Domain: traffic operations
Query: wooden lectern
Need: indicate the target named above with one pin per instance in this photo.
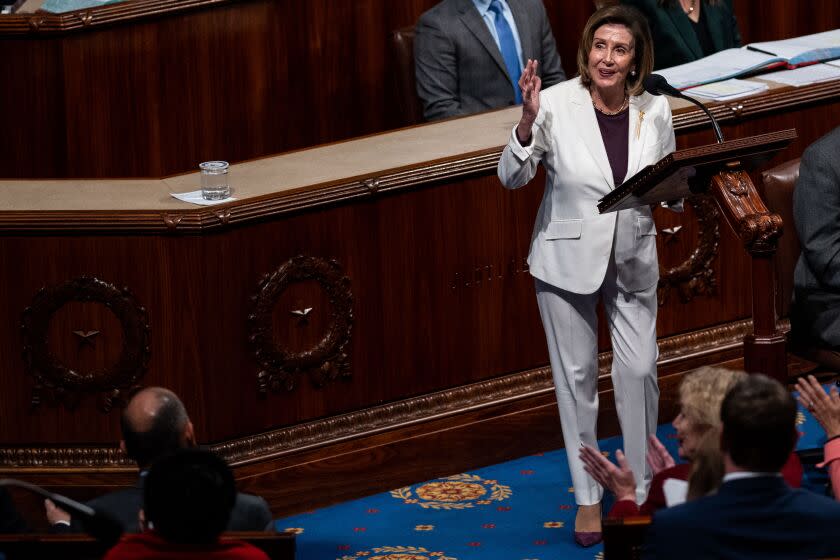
(722, 169)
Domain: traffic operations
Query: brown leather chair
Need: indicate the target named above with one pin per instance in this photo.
(408, 104)
(777, 190)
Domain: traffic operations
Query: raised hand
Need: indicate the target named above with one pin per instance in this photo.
(657, 456)
(618, 479)
(530, 84)
(824, 406)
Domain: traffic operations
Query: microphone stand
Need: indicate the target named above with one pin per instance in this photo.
(718, 133)
(655, 84)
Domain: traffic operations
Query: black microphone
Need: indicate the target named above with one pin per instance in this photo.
(97, 524)
(657, 85)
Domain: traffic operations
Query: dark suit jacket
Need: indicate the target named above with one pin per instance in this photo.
(250, 513)
(10, 519)
(674, 39)
(815, 314)
(459, 67)
(748, 518)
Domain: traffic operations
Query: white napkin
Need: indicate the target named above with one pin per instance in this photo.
(195, 197)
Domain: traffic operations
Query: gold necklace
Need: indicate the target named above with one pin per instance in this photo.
(610, 113)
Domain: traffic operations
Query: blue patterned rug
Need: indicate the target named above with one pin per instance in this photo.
(519, 510)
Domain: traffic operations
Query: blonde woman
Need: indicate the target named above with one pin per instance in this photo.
(701, 394)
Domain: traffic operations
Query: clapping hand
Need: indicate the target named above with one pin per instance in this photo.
(530, 84)
(618, 479)
(824, 406)
(657, 456)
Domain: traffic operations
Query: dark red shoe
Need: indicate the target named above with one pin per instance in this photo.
(587, 539)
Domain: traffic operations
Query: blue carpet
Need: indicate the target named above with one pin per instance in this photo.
(519, 510)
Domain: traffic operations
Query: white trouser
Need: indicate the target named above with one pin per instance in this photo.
(571, 329)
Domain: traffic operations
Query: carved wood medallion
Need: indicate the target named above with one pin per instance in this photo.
(694, 276)
(67, 383)
(325, 359)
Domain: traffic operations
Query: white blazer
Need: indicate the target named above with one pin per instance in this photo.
(571, 243)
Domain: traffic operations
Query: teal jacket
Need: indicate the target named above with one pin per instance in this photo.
(674, 40)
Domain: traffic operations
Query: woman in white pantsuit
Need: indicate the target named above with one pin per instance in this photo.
(590, 134)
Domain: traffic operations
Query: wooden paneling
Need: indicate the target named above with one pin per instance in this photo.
(441, 296)
(123, 95)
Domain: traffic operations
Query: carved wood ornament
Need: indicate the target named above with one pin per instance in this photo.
(326, 360)
(695, 276)
(318, 433)
(59, 382)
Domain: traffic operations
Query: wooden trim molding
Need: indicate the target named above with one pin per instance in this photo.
(363, 423)
(45, 23)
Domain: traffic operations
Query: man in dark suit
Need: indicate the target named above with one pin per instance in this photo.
(155, 423)
(754, 514)
(10, 519)
(465, 52)
(815, 316)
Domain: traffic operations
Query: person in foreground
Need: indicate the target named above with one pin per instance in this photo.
(10, 519)
(698, 426)
(590, 134)
(187, 501)
(688, 30)
(155, 423)
(754, 514)
(468, 54)
(826, 409)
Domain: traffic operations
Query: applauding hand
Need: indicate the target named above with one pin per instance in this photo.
(824, 407)
(657, 456)
(618, 479)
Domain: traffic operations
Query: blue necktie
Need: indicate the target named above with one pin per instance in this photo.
(508, 47)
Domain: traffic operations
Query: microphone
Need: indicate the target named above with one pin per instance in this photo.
(657, 85)
(97, 524)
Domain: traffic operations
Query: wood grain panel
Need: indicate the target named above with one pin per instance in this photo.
(156, 89)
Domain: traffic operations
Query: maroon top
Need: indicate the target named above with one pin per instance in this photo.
(149, 546)
(614, 132)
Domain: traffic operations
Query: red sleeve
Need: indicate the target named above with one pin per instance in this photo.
(792, 471)
(656, 494)
(623, 508)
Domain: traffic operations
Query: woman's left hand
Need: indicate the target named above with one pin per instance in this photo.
(618, 479)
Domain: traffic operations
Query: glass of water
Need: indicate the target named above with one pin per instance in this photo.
(214, 180)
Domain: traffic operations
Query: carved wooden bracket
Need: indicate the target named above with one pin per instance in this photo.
(60, 382)
(325, 361)
(756, 226)
(695, 276)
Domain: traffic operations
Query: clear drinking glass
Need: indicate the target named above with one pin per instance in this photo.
(214, 180)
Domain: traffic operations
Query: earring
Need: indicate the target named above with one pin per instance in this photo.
(633, 73)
